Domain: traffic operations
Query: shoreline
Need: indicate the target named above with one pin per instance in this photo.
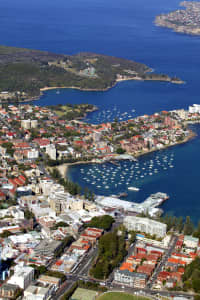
(187, 139)
(64, 168)
(73, 88)
(177, 28)
(137, 78)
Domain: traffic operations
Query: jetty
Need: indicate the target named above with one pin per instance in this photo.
(148, 206)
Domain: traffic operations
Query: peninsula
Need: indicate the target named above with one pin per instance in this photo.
(182, 20)
(26, 73)
(55, 236)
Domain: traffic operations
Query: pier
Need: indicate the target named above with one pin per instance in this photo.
(150, 205)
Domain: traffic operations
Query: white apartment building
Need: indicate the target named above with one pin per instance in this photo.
(195, 108)
(145, 225)
(22, 276)
(32, 154)
(27, 124)
(190, 241)
(34, 123)
(49, 187)
(51, 151)
(132, 279)
(60, 201)
(183, 114)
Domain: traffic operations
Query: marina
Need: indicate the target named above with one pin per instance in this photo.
(128, 175)
(110, 115)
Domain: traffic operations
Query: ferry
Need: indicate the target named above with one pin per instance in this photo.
(133, 188)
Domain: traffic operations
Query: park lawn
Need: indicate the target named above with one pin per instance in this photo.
(64, 110)
(120, 296)
(84, 294)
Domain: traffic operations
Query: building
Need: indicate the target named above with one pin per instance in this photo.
(47, 248)
(8, 291)
(37, 293)
(145, 225)
(195, 108)
(48, 187)
(26, 124)
(32, 154)
(190, 241)
(22, 276)
(132, 279)
(60, 201)
(183, 114)
(34, 123)
(49, 280)
(51, 151)
(96, 135)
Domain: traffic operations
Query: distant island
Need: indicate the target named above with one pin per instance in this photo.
(182, 20)
(26, 73)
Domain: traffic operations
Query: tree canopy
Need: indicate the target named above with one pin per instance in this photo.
(103, 222)
(111, 252)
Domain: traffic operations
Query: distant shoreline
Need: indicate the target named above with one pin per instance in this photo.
(188, 138)
(177, 28)
(137, 78)
(176, 20)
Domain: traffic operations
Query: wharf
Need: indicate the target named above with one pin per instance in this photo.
(150, 205)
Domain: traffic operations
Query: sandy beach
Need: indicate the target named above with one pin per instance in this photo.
(137, 78)
(64, 167)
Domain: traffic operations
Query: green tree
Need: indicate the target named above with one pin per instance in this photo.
(120, 151)
(132, 236)
(28, 214)
(197, 231)
(196, 285)
(111, 252)
(103, 222)
(179, 225)
(188, 227)
(5, 234)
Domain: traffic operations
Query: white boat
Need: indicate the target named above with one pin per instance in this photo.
(133, 188)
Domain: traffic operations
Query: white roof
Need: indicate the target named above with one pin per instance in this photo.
(190, 238)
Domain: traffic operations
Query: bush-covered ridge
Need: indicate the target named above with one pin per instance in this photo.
(27, 71)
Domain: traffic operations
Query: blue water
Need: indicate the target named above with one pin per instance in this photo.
(181, 181)
(125, 29)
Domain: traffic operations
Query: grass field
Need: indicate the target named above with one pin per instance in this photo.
(84, 294)
(120, 296)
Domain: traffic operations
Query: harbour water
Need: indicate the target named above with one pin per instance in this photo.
(125, 29)
(174, 171)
